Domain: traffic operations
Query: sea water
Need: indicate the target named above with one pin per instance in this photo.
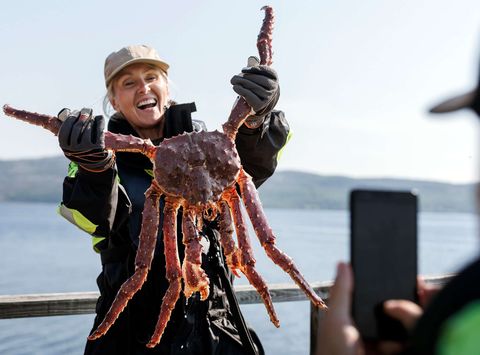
(42, 253)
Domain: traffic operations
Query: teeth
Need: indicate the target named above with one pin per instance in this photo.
(145, 102)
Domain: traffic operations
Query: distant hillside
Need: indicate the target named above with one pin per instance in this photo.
(40, 180)
(290, 189)
(36, 180)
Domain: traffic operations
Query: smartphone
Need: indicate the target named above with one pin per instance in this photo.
(383, 246)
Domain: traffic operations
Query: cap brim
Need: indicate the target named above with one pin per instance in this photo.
(455, 103)
(158, 63)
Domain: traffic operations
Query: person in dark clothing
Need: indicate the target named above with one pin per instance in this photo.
(450, 322)
(103, 194)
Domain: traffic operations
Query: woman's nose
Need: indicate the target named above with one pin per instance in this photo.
(144, 86)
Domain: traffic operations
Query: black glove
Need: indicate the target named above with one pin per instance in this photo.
(258, 85)
(82, 139)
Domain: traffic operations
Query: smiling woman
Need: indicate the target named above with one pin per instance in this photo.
(140, 94)
(135, 222)
(137, 87)
(105, 194)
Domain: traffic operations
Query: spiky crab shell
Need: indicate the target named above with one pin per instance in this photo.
(197, 167)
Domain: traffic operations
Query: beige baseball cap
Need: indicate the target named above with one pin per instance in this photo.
(116, 61)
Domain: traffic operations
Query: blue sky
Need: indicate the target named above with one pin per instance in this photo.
(356, 77)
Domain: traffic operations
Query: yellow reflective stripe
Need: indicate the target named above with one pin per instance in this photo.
(289, 136)
(72, 169)
(77, 218)
(95, 241)
(149, 172)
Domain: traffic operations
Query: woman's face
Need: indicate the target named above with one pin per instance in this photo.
(140, 93)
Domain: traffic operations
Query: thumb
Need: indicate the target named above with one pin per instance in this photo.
(253, 61)
(63, 114)
(341, 292)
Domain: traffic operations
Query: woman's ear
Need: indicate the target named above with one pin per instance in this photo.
(113, 102)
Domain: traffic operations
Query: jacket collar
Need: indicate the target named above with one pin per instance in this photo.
(177, 121)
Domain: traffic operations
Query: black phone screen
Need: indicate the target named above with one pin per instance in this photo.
(383, 257)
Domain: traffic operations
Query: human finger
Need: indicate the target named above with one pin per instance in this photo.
(390, 347)
(64, 135)
(261, 86)
(426, 291)
(63, 114)
(97, 131)
(262, 70)
(82, 123)
(406, 312)
(340, 294)
(252, 99)
(261, 80)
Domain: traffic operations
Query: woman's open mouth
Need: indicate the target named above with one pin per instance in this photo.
(147, 103)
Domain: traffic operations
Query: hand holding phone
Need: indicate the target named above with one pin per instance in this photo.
(383, 257)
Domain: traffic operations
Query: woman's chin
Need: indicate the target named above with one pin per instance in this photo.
(149, 116)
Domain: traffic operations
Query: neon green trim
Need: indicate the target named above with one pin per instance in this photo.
(77, 218)
(280, 152)
(95, 241)
(460, 333)
(149, 172)
(83, 222)
(72, 169)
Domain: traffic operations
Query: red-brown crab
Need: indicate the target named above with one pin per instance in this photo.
(200, 172)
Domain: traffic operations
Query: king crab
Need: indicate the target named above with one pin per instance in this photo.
(199, 172)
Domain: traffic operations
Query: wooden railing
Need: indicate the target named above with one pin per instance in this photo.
(73, 303)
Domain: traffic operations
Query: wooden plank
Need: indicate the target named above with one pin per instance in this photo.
(52, 304)
(57, 304)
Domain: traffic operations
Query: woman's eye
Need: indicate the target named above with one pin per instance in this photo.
(128, 83)
(151, 78)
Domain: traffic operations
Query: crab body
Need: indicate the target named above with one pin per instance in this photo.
(197, 167)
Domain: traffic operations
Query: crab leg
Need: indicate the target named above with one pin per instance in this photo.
(194, 276)
(124, 143)
(113, 141)
(173, 269)
(143, 261)
(241, 109)
(264, 40)
(50, 123)
(247, 259)
(267, 239)
(226, 238)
